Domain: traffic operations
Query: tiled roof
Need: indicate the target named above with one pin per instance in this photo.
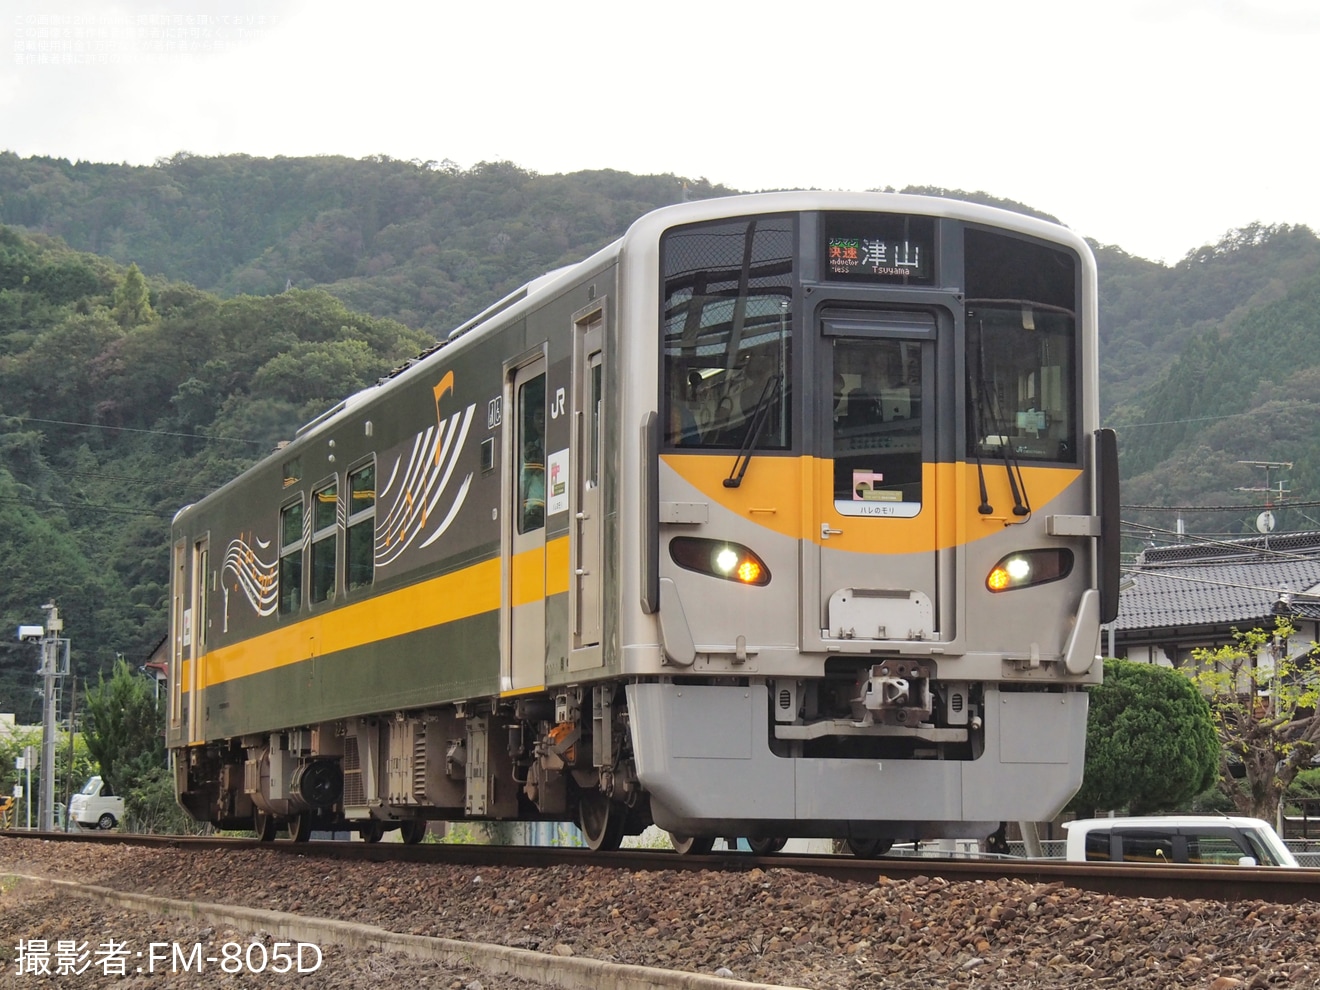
(1225, 583)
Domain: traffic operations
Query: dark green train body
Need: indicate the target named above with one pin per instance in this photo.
(730, 527)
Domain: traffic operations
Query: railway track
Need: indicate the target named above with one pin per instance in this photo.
(816, 922)
(1227, 883)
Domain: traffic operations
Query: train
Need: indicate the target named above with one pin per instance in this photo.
(783, 515)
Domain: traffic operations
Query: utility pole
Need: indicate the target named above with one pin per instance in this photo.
(1265, 521)
(54, 664)
(50, 648)
(73, 712)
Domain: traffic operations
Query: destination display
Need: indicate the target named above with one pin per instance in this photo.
(879, 248)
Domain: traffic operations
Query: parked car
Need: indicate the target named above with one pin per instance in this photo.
(96, 806)
(1206, 839)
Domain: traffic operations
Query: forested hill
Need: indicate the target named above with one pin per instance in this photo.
(425, 244)
(123, 397)
(120, 402)
(429, 244)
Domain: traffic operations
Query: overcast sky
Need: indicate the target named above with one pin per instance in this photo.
(1155, 125)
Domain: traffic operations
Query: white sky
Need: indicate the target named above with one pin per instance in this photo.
(1155, 125)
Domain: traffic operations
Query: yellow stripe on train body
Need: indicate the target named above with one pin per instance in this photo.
(471, 591)
(776, 493)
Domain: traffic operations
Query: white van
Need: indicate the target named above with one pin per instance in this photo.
(1206, 839)
(95, 806)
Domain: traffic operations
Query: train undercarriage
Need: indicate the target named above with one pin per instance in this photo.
(574, 756)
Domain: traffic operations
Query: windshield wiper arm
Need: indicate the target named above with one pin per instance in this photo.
(985, 393)
(759, 415)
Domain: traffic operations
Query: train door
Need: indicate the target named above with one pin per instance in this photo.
(876, 556)
(195, 635)
(586, 509)
(526, 592)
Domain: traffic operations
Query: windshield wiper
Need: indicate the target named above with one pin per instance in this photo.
(759, 415)
(986, 395)
(976, 393)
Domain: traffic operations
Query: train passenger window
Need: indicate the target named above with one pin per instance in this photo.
(531, 454)
(728, 333)
(360, 535)
(291, 557)
(292, 471)
(1021, 349)
(325, 503)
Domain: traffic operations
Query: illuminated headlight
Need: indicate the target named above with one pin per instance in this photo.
(730, 561)
(1029, 567)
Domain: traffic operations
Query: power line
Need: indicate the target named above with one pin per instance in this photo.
(104, 476)
(1237, 545)
(1218, 508)
(1165, 576)
(84, 505)
(132, 429)
(1179, 422)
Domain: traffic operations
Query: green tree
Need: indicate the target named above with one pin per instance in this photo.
(133, 299)
(1264, 705)
(67, 780)
(1150, 741)
(124, 725)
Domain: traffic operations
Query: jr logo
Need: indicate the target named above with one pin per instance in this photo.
(557, 409)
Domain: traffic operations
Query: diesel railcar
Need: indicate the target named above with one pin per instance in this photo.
(783, 515)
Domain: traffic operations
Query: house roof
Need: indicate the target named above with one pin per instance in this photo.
(1228, 583)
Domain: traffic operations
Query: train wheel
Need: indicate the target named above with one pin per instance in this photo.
(766, 847)
(372, 831)
(601, 822)
(413, 830)
(691, 845)
(263, 823)
(869, 848)
(300, 827)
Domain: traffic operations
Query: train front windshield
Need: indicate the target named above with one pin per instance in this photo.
(731, 309)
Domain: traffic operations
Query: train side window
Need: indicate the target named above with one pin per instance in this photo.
(291, 557)
(292, 471)
(325, 503)
(531, 454)
(360, 535)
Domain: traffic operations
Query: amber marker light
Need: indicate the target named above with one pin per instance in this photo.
(749, 572)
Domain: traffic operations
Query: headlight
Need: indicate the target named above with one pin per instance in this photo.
(730, 561)
(1029, 567)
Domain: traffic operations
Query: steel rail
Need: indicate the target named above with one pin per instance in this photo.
(1220, 883)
